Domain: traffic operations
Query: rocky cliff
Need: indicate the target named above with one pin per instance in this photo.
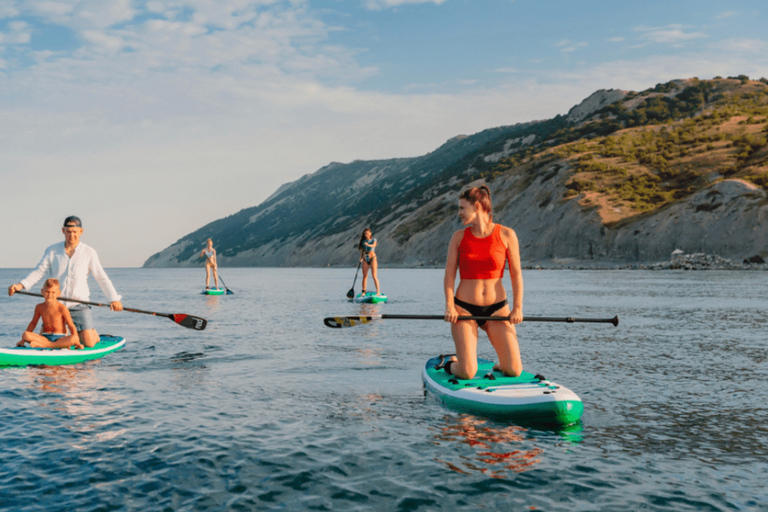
(623, 177)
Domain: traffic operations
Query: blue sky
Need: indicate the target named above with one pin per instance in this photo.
(152, 118)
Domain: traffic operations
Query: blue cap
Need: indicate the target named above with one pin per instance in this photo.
(72, 222)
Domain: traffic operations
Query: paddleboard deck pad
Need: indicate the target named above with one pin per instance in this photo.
(213, 291)
(24, 356)
(370, 298)
(528, 398)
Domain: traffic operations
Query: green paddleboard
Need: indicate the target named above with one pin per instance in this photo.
(526, 399)
(24, 356)
(213, 291)
(370, 298)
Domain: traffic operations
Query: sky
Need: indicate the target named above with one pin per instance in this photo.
(149, 119)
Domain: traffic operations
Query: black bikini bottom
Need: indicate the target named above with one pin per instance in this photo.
(475, 310)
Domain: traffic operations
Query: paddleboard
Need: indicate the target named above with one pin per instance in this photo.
(23, 356)
(370, 298)
(214, 291)
(527, 398)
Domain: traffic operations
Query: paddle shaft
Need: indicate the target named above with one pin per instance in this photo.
(352, 320)
(351, 292)
(568, 319)
(189, 321)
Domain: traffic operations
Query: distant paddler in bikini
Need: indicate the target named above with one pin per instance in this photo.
(210, 265)
(367, 247)
(480, 252)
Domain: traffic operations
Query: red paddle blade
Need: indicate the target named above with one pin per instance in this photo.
(189, 321)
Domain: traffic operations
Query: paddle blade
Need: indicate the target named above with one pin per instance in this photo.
(337, 322)
(351, 293)
(189, 321)
(230, 292)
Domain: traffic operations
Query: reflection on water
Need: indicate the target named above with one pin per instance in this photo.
(498, 450)
(212, 303)
(82, 403)
(69, 381)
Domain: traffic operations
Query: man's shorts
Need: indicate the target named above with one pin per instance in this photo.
(52, 337)
(82, 318)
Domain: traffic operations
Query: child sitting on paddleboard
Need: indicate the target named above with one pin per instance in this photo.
(56, 321)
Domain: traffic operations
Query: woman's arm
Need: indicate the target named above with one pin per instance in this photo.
(449, 279)
(515, 274)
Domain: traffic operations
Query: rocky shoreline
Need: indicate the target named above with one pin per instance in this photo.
(679, 261)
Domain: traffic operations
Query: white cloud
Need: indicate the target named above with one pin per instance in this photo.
(742, 46)
(727, 14)
(670, 34)
(384, 4)
(567, 46)
(18, 33)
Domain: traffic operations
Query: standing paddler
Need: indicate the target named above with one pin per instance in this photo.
(71, 262)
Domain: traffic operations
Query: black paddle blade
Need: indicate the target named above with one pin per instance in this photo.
(189, 321)
(351, 293)
(230, 292)
(337, 322)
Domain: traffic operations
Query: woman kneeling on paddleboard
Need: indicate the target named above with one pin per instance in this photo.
(480, 253)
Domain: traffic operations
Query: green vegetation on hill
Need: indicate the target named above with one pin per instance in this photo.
(658, 146)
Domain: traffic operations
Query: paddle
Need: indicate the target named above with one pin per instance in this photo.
(351, 292)
(188, 321)
(351, 321)
(229, 292)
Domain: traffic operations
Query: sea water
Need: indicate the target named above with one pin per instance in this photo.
(268, 409)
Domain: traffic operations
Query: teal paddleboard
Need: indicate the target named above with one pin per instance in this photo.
(214, 291)
(24, 356)
(526, 399)
(370, 298)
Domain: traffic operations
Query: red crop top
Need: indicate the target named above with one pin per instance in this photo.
(482, 258)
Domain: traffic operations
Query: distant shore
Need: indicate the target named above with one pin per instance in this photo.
(679, 261)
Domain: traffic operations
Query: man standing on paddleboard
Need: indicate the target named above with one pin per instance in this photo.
(71, 262)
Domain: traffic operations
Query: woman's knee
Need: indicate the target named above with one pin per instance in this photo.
(464, 369)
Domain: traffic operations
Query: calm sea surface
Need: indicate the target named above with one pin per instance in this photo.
(268, 409)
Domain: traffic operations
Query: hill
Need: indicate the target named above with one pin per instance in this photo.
(623, 177)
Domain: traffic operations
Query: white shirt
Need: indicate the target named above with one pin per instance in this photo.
(72, 273)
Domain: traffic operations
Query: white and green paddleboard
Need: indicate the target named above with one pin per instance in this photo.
(370, 298)
(24, 356)
(527, 398)
(213, 291)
